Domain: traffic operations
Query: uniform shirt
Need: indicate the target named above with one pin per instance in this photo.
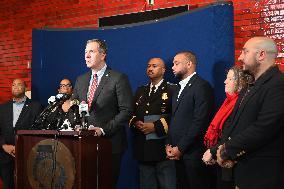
(156, 86)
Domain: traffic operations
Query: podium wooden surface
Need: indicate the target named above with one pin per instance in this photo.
(91, 154)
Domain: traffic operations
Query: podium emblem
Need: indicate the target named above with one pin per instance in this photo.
(51, 165)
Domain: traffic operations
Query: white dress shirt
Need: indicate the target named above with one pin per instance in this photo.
(184, 82)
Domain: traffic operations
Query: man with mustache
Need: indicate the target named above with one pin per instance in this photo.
(255, 138)
(150, 125)
(192, 109)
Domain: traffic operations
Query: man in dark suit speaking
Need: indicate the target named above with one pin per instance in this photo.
(17, 114)
(109, 97)
(192, 107)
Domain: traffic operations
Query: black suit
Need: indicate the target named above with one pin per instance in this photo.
(111, 109)
(256, 134)
(30, 111)
(191, 115)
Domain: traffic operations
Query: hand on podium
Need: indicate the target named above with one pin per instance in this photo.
(98, 130)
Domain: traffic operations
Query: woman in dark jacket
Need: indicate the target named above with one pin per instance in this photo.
(235, 81)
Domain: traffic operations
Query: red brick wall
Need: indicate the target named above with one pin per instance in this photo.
(18, 17)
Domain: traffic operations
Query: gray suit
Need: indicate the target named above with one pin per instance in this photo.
(111, 107)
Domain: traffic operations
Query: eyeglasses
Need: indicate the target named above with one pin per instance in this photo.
(65, 85)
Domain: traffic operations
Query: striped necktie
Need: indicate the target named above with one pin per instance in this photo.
(92, 90)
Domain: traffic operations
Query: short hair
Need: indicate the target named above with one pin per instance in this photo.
(159, 59)
(102, 45)
(242, 78)
(190, 56)
(24, 82)
(66, 79)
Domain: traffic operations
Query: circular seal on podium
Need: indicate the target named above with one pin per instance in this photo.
(51, 165)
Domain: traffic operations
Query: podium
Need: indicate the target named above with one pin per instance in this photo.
(62, 160)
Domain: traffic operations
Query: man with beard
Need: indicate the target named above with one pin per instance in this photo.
(191, 114)
(153, 100)
(17, 114)
(255, 137)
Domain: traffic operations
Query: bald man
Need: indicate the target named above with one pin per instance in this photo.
(150, 126)
(255, 137)
(17, 114)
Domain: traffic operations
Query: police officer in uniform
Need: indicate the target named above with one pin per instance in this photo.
(149, 125)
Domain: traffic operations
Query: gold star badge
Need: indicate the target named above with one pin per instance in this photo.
(164, 96)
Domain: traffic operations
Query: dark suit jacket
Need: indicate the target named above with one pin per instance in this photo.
(112, 105)
(191, 115)
(157, 104)
(28, 115)
(257, 134)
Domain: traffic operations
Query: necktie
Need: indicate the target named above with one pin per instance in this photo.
(92, 90)
(152, 90)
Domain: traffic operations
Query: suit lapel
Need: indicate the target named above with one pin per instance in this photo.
(85, 87)
(10, 113)
(174, 101)
(187, 87)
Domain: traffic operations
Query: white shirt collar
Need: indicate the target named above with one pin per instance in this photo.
(101, 72)
(185, 81)
(157, 85)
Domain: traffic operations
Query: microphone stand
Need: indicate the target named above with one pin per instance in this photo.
(84, 123)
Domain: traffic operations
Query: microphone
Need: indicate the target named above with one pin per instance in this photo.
(51, 100)
(83, 109)
(84, 112)
(58, 98)
(62, 97)
(75, 118)
(74, 103)
(55, 102)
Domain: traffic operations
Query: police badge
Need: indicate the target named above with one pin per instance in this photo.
(165, 96)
